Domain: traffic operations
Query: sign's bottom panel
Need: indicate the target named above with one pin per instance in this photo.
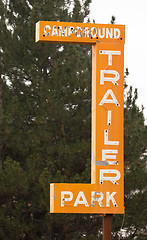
(84, 198)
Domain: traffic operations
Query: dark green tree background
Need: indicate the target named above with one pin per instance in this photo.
(45, 101)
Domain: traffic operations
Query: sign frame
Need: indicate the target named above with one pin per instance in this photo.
(105, 194)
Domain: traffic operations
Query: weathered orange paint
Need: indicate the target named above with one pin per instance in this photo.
(99, 124)
(109, 31)
(107, 137)
(100, 116)
(55, 199)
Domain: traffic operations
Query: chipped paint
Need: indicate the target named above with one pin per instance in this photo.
(105, 193)
(99, 163)
(79, 33)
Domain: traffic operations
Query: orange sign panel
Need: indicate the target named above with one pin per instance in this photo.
(107, 119)
(83, 198)
(79, 33)
(105, 194)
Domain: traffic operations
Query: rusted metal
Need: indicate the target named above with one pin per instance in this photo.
(107, 227)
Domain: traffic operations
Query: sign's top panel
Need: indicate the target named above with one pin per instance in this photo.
(79, 33)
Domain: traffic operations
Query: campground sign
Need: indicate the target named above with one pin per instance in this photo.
(78, 33)
(105, 194)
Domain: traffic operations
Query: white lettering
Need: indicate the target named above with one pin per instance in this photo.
(83, 201)
(106, 100)
(116, 33)
(105, 156)
(107, 142)
(109, 79)
(47, 29)
(54, 31)
(70, 31)
(63, 199)
(112, 179)
(96, 196)
(86, 32)
(109, 32)
(110, 53)
(62, 32)
(109, 118)
(93, 32)
(103, 34)
(78, 32)
(110, 198)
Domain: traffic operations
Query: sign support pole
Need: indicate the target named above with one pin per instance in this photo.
(107, 227)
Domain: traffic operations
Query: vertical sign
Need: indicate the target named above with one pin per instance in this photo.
(105, 194)
(107, 124)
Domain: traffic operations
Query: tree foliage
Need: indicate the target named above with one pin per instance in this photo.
(133, 223)
(45, 128)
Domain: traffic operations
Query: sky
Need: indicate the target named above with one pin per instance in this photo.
(132, 14)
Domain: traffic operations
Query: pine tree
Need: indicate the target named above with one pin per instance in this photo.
(133, 223)
(135, 168)
(45, 127)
